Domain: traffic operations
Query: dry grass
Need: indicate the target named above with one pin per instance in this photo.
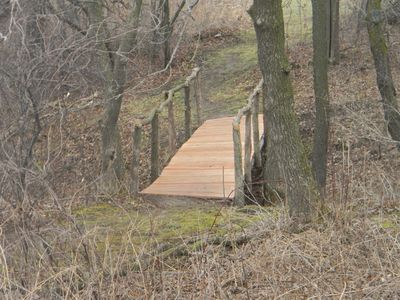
(351, 254)
(358, 260)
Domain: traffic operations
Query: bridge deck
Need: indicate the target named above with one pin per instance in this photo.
(203, 167)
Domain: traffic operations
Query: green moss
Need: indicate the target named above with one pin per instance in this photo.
(388, 224)
(387, 221)
(116, 227)
(236, 58)
(143, 106)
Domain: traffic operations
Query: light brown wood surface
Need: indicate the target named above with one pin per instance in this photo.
(203, 167)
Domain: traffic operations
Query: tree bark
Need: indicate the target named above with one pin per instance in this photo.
(34, 39)
(379, 49)
(392, 11)
(113, 67)
(321, 91)
(333, 29)
(137, 142)
(271, 173)
(362, 12)
(156, 16)
(166, 32)
(283, 133)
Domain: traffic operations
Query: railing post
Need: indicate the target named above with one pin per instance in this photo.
(188, 113)
(237, 150)
(155, 145)
(256, 131)
(198, 99)
(247, 149)
(171, 128)
(137, 139)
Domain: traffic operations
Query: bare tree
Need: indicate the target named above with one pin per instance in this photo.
(30, 76)
(165, 23)
(332, 17)
(282, 133)
(379, 49)
(112, 55)
(33, 68)
(320, 65)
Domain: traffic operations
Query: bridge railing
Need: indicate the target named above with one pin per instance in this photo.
(251, 141)
(191, 82)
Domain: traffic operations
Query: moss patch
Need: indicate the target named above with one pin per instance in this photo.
(390, 221)
(116, 227)
(235, 58)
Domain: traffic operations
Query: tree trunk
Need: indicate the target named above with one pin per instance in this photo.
(166, 32)
(333, 29)
(379, 49)
(33, 38)
(392, 11)
(113, 68)
(362, 12)
(156, 15)
(273, 188)
(321, 91)
(283, 133)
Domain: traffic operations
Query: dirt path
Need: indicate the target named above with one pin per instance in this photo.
(227, 77)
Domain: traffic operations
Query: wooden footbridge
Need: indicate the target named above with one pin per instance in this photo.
(214, 162)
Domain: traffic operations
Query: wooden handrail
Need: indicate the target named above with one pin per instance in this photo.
(153, 121)
(170, 96)
(243, 174)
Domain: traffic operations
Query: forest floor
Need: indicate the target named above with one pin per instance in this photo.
(83, 244)
(352, 253)
(206, 249)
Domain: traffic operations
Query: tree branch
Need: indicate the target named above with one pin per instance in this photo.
(179, 10)
(80, 5)
(65, 20)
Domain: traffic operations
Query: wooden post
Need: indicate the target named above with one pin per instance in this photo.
(256, 131)
(137, 139)
(188, 113)
(155, 145)
(197, 96)
(247, 149)
(237, 150)
(171, 129)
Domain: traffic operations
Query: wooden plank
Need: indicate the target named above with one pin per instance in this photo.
(203, 167)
